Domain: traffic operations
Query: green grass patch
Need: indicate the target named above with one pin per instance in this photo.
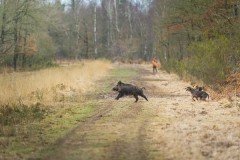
(66, 119)
(124, 73)
(115, 75)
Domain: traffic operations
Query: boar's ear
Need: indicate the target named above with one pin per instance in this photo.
(119, 82)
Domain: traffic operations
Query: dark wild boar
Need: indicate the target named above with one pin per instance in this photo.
(128, 89)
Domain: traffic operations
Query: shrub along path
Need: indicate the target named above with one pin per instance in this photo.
(169, 126)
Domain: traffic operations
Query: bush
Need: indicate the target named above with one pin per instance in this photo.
(209, 60)
(174, 65)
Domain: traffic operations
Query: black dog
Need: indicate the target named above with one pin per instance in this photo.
(196, 93)
(128, 89)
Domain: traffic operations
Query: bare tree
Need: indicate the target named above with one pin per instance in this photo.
(95, 29)
(130, 19)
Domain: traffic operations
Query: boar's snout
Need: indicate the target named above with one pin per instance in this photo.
(115, 88)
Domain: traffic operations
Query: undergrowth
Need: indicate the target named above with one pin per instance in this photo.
(19, 114)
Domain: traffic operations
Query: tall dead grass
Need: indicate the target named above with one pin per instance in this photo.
(50, 84)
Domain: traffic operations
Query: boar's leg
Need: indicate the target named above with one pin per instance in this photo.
(119, 96)
(136, 96)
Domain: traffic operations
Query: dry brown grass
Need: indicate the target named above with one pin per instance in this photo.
(195, 130)
(51, 84)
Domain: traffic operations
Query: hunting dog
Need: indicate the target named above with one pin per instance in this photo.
(199, 88)
(128, 89)
(197, 93)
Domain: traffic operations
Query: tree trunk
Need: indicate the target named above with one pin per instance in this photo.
(129, 20)
(109, 11)
(86, 41)
(95, 30)
(3, 22)
(24, 50)
(116, 15)
(16, 49)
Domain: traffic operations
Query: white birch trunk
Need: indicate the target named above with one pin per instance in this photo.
(109, 11)
(116, 15)
(95, 30)
(164, 37)
(129, 21)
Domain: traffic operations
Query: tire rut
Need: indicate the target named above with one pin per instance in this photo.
(131, 144)
(112, 134)
(77, 137)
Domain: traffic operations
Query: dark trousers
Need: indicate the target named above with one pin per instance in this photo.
(154, 69)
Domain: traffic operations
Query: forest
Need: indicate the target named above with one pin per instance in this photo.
(60, 61)
(190, 37)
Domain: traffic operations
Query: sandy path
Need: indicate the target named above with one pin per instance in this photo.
(169, 126)
(196, 130)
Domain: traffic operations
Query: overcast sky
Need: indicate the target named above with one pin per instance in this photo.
(65, 1)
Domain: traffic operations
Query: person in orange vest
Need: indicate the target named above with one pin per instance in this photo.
(155, 64)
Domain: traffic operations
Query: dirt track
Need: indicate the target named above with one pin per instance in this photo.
(169, 126)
